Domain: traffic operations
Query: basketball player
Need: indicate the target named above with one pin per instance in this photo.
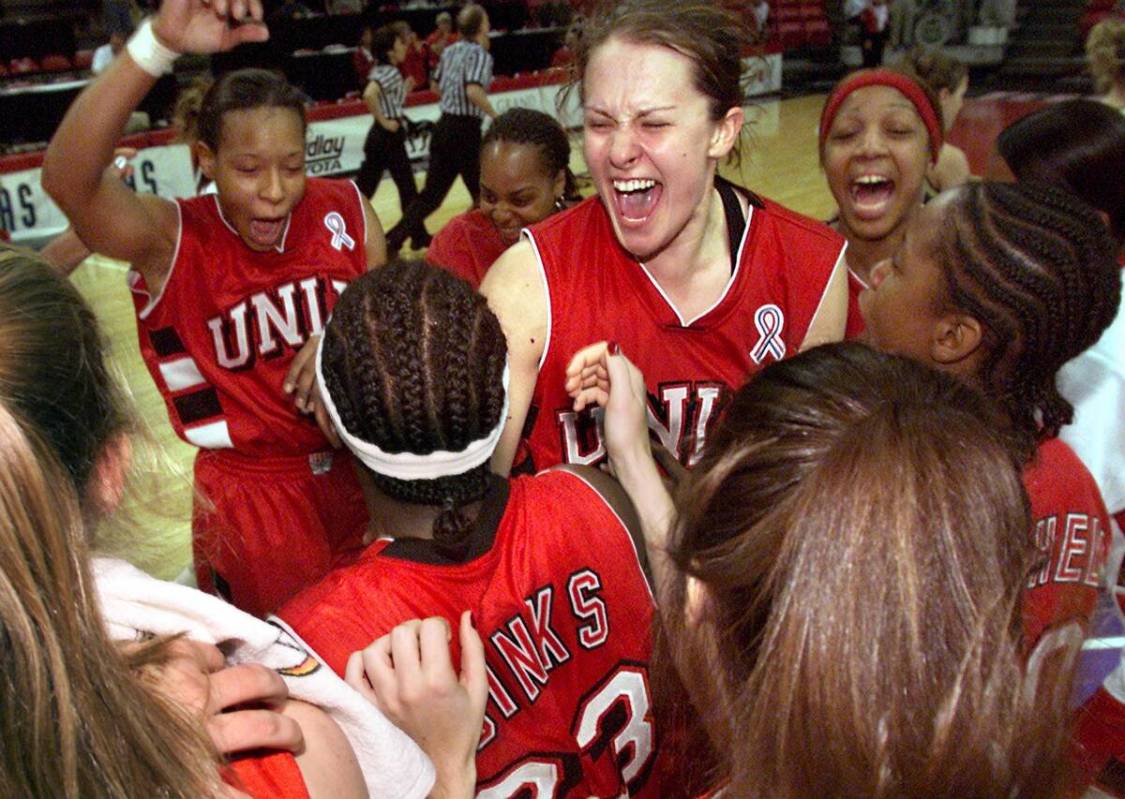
(880, 130)
(703, 282)
(1001, 284)
(231, 293)
(414, 372)
(838, 579)
(524, 178)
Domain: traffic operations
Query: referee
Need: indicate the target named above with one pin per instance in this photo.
(385, 146)
(462, 77)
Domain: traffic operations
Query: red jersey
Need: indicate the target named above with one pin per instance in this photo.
(272, 776)
(856, 324)
(597, 290)
(467, 246)
(556, 587)
(1070, 527)
(220, 336)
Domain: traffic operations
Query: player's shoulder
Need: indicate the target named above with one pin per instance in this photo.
(577, 216)
(342, 590)
(794, 224)
(1056, 478)
(1054, 457)
(334, 191)
(466, 224)
(560, 487)
(583, 494)
(583, 227)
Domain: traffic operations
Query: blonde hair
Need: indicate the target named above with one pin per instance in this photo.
(76, 717)
(1105, 50)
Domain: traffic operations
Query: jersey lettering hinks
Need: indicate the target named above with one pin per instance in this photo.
(597, 291)
(558, 594)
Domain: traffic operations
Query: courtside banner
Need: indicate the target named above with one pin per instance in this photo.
(334, 146)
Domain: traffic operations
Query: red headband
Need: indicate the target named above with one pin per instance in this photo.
(896, 80)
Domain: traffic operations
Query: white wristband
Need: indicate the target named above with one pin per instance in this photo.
(148, 53)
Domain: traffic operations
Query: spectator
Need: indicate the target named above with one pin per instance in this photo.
(362, 59)
(564, 56)
(413, 66)
(442, 36)
(903, 15)
(119, 16)
(1105, 50)
(290, 9)
(853, 13)
(948, 78)
(873, 37)
(104, 55)
(760, 16)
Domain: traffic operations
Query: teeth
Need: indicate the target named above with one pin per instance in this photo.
(871, 179)
(633, 185)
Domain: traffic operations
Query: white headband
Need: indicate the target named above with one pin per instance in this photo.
(410, 465)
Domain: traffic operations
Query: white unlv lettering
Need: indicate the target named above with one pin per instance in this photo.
(684, 437)
(266, 322)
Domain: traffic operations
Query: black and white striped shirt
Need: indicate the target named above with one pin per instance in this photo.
(462, 63)
(392, 89)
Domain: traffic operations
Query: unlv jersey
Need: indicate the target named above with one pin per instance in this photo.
(558, 594)
(597, 291)
(220, 336)
(1070, 527)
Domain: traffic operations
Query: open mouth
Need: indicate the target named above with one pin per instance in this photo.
(266, 232)
(636, 198)
(871, 195)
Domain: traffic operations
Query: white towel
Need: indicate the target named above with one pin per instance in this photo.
(133, 603)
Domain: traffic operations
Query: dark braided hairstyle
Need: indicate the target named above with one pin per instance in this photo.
(1036, 267)
(539, 130)
(414, 360)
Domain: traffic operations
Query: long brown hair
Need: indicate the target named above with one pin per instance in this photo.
(859, 533)
(76, 719)
(75, 716)
(52, 368)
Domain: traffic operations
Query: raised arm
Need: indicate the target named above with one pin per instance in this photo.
(515, 292)
(106, 215)
(601, 375)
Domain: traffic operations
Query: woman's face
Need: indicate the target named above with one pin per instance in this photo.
(398, 52)
(902, 305)
(875, 158)
(650, 143)
(259, 172)
(516, 188)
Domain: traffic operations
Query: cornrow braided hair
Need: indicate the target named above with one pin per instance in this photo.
(414, 361)
(539, 130)
(1036, 266)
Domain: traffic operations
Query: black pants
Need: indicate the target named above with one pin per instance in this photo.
(454, 150)
(383, 150)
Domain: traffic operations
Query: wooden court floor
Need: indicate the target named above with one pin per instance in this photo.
(779, 161)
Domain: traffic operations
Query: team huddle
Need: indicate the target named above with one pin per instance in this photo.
(668, 491)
